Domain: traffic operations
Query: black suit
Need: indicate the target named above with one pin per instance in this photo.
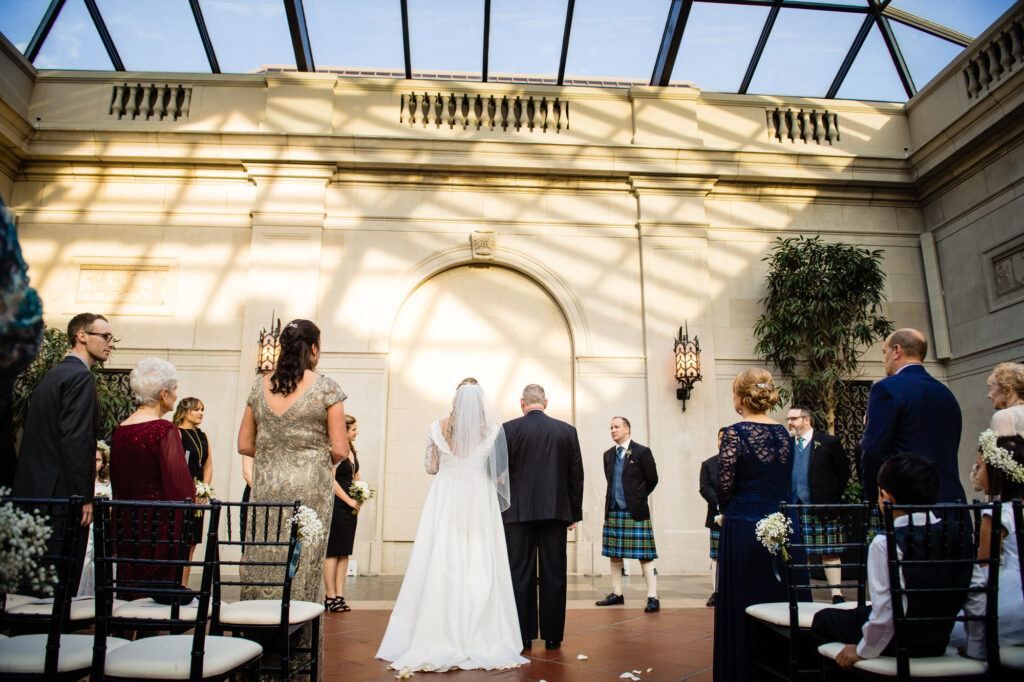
(639, 476)
(708, 479)
(58, 449)
(828, 470)
(546, 484)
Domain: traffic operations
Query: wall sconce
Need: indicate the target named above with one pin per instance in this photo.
(687, 364)
(269, 347)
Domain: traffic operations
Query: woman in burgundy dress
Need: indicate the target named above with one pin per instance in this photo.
(147, 461)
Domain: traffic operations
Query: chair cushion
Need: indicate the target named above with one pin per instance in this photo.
(81, 609)
(952, 664)
(267, 612)
(1012, 657)
(17, 600)
(169, 657)
(777, 613)
(26, 654)
(148, 608)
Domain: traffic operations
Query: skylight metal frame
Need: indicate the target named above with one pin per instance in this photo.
(876, 13)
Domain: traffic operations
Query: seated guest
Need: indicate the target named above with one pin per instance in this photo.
(147, 461)
(868, 630)
(1000, 473)
(87, 584)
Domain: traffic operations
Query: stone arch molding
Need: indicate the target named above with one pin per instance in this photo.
(538, 272)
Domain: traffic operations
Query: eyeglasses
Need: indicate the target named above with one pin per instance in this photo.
(108, 337)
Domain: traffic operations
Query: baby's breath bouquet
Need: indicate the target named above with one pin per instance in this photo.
(204, 491)
(311, 528)
(773, 531)
(360, 492)
(23, 537)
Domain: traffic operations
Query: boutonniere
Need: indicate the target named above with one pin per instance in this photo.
(629, 453)
(817, 443)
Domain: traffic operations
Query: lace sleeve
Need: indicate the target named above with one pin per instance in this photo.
(331, 392)
(432, 459)
(728, 456)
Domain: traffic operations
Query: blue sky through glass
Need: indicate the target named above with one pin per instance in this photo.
(611, 39)
(873, 75)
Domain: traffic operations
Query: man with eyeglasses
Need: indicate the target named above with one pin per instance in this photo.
(58, 448)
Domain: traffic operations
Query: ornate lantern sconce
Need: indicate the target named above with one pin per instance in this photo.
(270, 347)
(687, 364)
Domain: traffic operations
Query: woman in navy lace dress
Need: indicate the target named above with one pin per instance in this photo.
(755, 464)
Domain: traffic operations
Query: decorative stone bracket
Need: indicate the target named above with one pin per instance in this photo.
(151, 102)
(465, 111)
(816, 126)
(1003, 55)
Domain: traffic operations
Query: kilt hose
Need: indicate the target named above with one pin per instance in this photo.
(822, 533)
(624, 538)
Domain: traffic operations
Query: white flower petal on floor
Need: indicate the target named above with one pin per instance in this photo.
(581, 657)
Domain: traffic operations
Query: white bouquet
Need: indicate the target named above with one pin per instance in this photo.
(360, 492)
(23, 538)
(204, 491)
(773, 532)
(311, 528)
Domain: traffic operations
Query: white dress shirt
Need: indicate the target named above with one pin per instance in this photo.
(879, 629)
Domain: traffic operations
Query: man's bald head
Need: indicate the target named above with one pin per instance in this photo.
(903, 347)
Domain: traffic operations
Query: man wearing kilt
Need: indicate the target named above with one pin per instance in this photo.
(820, 472)
(631, 474)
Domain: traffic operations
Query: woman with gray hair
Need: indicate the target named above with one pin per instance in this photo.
(147, 461)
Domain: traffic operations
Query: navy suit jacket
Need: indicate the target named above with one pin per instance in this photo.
(912, 412)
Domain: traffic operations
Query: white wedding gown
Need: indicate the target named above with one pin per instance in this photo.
(456, 608)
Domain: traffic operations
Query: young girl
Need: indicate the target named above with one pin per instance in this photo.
(999, 472)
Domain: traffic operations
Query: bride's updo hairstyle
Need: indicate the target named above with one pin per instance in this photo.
(297, 340)
(756, 389)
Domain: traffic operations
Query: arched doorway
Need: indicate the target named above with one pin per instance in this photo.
(484, 321)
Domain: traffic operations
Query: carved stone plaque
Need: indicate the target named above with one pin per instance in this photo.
(483, 243)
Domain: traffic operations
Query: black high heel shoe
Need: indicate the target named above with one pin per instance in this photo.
(342, 607)
(332, 604)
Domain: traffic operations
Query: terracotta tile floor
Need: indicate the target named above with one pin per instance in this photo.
(674, 644)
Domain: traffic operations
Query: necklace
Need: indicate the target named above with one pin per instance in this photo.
(195, 440)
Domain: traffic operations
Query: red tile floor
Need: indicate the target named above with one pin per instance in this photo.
(673, 644)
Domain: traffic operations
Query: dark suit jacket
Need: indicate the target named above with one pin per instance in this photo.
(912, 412)
(58, 449)
(639, 476)
(708, 476)
(829, 470)
(545, 470)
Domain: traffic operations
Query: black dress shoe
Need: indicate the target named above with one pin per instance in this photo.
(838, 599)
(611, 600)
(652, 605)
(712, 599)
(551, 644)
(527, 645)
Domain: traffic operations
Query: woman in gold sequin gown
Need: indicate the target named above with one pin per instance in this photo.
(294, 428)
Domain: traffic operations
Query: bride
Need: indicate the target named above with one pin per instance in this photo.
(456, 608)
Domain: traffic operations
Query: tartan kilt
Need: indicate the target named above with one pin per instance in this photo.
(624, 538)
(876, 524)
(821, 532)
(716, 534)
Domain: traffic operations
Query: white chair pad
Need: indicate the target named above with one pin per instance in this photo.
(81, 609)
(1012, 657)
(148, 608)
(952, 664)
(14, 600)
(26, 654)
(267, 612)
(777, 613)
(169, 657)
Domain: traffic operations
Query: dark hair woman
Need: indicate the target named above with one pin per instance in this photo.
(343, 525)
(188, 415)
(293, 428)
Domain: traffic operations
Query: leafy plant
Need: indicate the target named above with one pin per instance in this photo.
(115, 403)
(822, 312)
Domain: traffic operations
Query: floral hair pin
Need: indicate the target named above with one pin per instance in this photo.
(1000, 458)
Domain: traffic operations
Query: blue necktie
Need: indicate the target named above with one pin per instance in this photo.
(619, 450)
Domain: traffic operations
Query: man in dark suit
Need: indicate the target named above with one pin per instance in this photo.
(631, 475)
(820, 473)
(910, 411)
(546, 486)
(58, 448)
